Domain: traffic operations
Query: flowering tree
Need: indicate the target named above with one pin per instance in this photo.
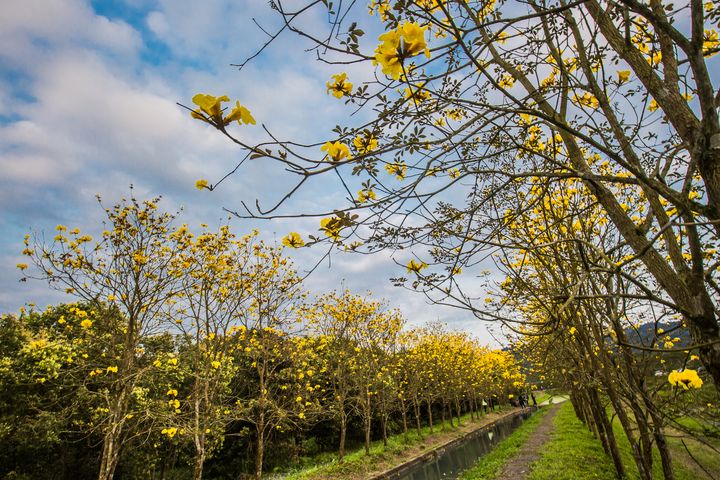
(475, 101)
(128, 270)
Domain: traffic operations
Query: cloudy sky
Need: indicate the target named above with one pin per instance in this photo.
(88, 93)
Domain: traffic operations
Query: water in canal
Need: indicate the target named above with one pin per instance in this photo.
(448, 464)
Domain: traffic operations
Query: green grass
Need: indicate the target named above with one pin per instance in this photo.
(356, 461)
(490, 465)
(573, 453)
(541, 397)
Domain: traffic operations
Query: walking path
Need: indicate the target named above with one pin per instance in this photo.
(518, 467)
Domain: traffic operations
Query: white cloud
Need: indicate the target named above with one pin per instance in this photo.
(92, 117)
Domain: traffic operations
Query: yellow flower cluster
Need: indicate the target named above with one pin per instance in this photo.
(586, 100)
(365, 143)
(406, 41)
(211, 111)
(415, 266)
(293, 240)
(339, 86)
(337, 151)
(686, 379)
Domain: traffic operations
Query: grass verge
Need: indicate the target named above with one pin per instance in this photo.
(490, 465)
(574, 453)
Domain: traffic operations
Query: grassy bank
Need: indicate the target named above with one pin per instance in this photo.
(574, 453)
(490, 465)
(400, 449)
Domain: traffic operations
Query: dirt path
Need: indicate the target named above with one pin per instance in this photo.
(518, 467)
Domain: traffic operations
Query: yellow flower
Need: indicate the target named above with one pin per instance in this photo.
(366, 194)
(210, 106)
(365, 143)
(174, 403)
(417, 93)
(507, 81)
(241, 114)
(710, 43)
(86, 323)
(398, 169)
(331, 227)
(587, 100)
(685, 378)
(406, 41)
(653, 105)
(293, 240)
(200, 184)
(623, 76)
(172, 392)
(414, 266)
(112, 368)
(215, 364)
(489, 6)
(339, 86)
(139, 258)
(170, 432)
(336, 151)
(22, 266)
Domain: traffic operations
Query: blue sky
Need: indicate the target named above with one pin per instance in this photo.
(88, 94)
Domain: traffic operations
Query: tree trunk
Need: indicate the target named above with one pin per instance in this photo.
(199, 463)
(430, 419)
(368, 423)
(416, 408)
(260, 450)
(343, 434)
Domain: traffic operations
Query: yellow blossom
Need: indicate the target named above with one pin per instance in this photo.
(293, 240)
(623, 76)
(406, 41)
(397, 168)
(685, 378)
(366, 194)
(415, 266)
(365, 143)
(339, 86)
(331, 227)
(210, 106)
(241, 114)
(200, 184)
(586, 100)
(336, 150)
(86, 323)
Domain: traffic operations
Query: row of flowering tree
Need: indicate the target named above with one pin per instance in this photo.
(590, 322)
(183, 343)
(575, 145)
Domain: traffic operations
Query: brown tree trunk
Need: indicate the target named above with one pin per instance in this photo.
(260, 450)
(343, 434)
(430, 419)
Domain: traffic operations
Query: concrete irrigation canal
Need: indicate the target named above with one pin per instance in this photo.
(449, 460)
